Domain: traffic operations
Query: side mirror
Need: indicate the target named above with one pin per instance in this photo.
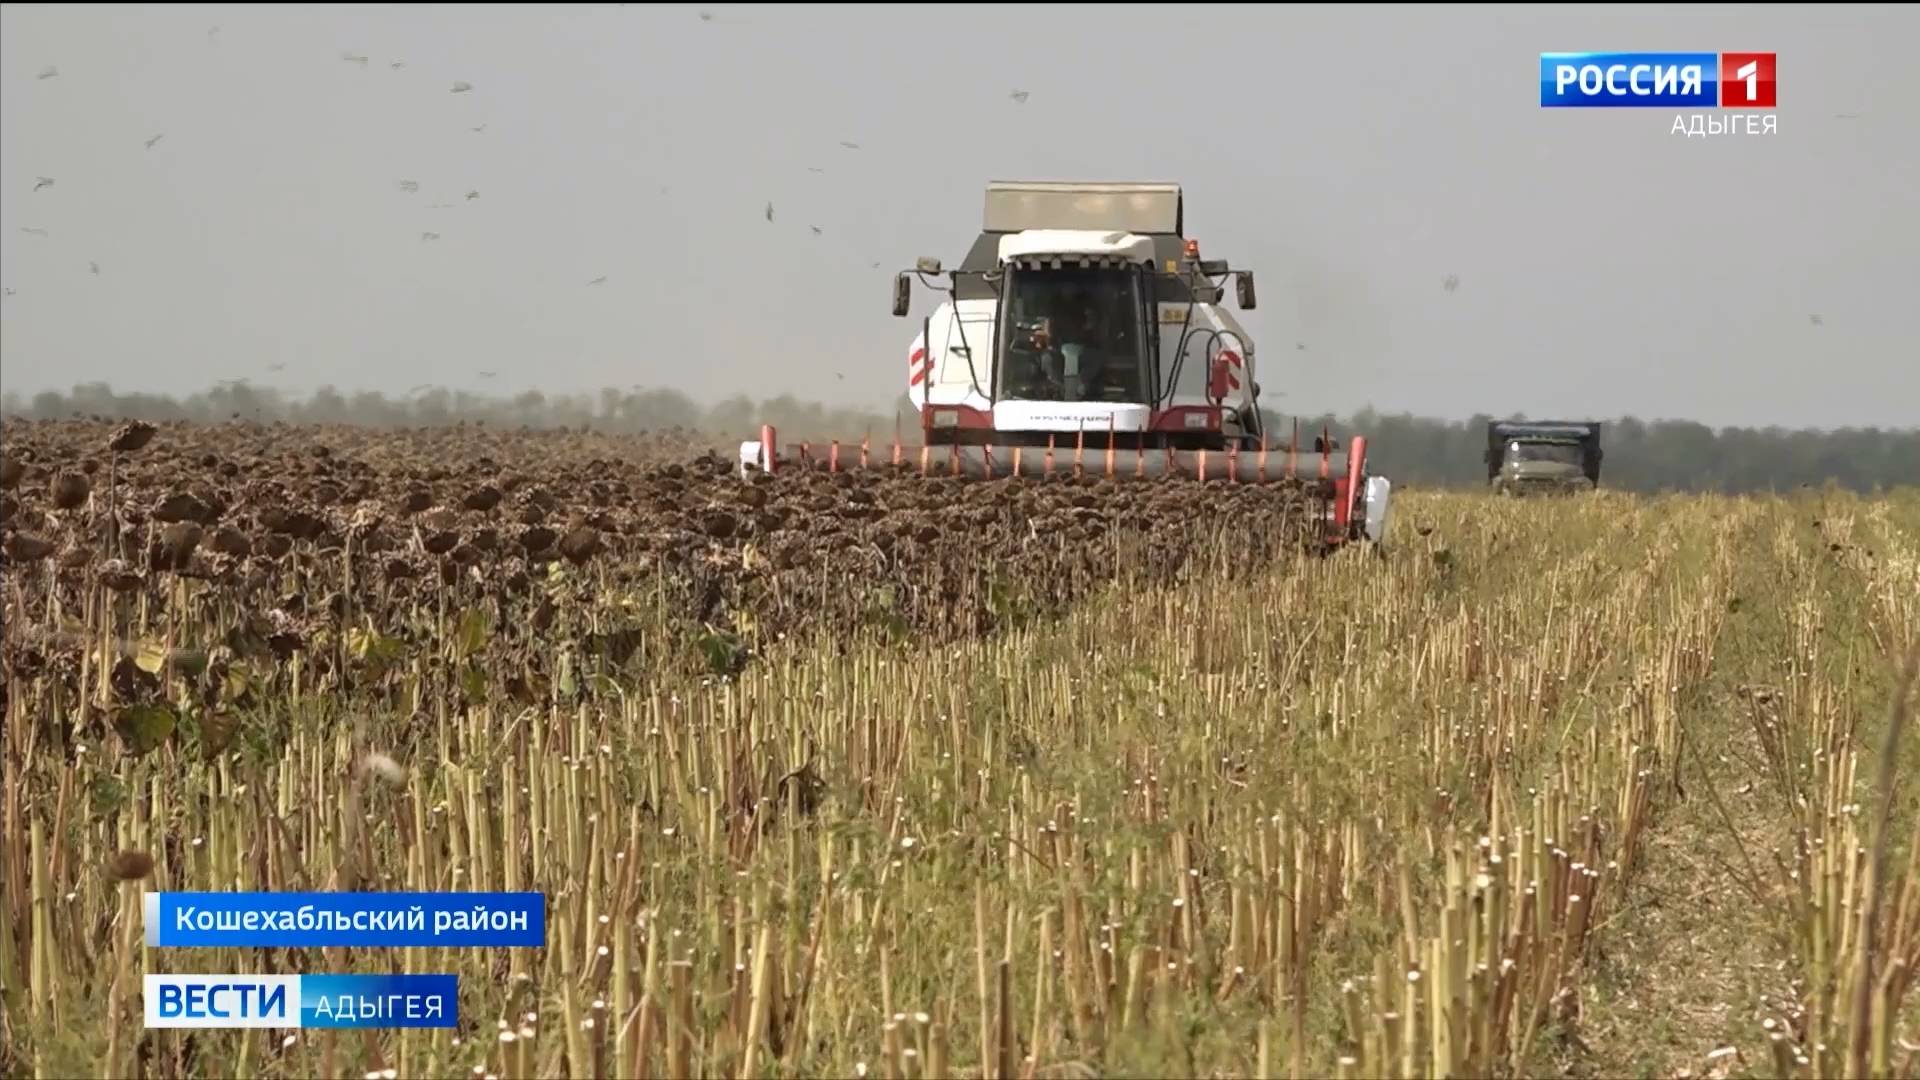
(902, 295)
(1243, 289)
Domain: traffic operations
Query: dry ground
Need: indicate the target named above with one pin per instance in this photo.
(1545, 788)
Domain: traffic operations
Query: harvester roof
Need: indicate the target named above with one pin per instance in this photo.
(1019, 205)
(1075, 245)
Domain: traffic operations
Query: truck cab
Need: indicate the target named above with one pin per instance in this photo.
(1543, 458)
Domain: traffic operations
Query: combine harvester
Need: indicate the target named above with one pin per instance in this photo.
(1084, 322)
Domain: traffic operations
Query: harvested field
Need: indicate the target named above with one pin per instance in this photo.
(838, 776)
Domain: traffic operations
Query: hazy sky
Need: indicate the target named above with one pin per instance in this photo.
(1354, 159)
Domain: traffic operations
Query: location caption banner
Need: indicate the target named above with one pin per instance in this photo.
(273, 920)
(301, 1001)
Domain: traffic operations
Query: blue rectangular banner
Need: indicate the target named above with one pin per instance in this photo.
(1644, 80)
(302, 1001)
(362, 920)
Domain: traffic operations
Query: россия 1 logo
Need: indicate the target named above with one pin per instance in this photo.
(1746, 80)
(1666, 80)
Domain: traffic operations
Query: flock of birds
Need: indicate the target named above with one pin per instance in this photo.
(1450, 283)
(411, 186)
(408, 186)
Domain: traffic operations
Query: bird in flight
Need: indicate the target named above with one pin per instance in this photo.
(815, 228)
(462, 87)
(429, 236)
(486, 374)
(812, 168)
(397, 64)
(480, 129)
(705, 16)
(352, 59)
(601, 280)
(409, 186)
(33, 231)
(1019, 96)
(441, 206)
(769, 211)
(1451, 283)
(471, 195)
(850, 145)
(43, 181)
(49, 73)
(212, 32)
(155, 139)
(93, 268)
(11, 291)
(1816, 320)
(276, 367)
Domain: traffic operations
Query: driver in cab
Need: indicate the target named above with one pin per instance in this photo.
(1073, 345)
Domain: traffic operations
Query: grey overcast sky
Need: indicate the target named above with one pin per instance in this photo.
(1353, 157)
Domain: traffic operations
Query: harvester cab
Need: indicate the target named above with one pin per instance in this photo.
(1546, 457)
(1083, 319)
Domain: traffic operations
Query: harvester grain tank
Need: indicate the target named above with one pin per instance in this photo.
(1083, 322)
(1545, 457)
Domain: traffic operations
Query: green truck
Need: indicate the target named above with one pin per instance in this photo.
(1546, 457)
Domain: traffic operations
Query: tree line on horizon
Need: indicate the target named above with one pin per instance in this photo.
(1415, 451)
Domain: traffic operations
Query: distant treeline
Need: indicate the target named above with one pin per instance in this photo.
(1650, 455)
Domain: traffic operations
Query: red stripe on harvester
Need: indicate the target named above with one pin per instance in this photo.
(1350, 486)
